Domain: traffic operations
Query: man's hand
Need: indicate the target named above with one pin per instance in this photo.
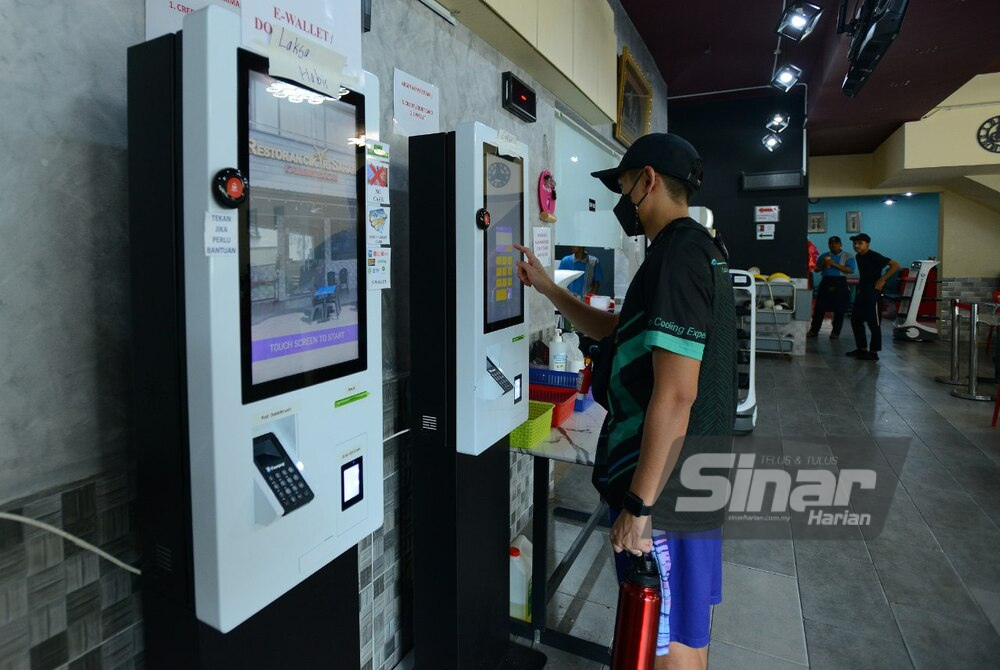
(632, 534)
(879, 284)
(531, 272)
(827, 261)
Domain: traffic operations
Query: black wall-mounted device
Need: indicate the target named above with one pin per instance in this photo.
(518, 98)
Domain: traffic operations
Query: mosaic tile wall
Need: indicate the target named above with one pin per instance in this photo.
(968, 290)
(62, 606)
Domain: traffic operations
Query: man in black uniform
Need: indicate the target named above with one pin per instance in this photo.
(671, 396)
(868, 299)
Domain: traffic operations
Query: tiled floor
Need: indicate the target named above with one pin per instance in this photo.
(922, 593)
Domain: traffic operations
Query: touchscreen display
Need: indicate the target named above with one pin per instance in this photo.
(303, 290)
(504, 200)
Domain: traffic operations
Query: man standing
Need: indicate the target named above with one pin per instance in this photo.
(671, 390)
(592, 277)
(833, 294)
(868, 299)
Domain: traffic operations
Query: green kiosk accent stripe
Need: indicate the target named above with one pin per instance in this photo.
(351, 398)
(518, 338)
(655, 338)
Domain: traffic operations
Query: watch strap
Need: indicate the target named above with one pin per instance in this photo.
(636, 506)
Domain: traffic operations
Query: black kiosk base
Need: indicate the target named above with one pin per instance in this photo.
(461, 503)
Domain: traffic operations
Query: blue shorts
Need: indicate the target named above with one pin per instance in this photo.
(693, 563)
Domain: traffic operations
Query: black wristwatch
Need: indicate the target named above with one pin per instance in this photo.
(635, 506)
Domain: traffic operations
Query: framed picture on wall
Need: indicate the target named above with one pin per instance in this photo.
(635, 101)
(854, 222)
(817, 222)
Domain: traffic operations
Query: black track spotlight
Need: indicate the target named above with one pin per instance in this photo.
(798, 20)
(771, 141)
(777, 122)
(786, 77)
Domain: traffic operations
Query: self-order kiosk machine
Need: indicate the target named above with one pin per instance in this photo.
(257, 347)
(469, 327)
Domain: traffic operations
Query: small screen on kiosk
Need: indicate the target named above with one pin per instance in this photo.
(303, 309)
(504, 200)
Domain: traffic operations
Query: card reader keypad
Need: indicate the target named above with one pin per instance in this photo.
(498, 376)
(281, 475)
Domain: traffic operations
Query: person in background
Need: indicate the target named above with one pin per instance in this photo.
(671, 387)
(868, 299)
(833, 294)
(592, 277)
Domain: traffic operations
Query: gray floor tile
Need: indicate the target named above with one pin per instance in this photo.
(937, 641)
(723, 656)
(989, 600)
(845, 594)
(975, 556)
(948, 509)
(592, 575)
(832, 648)
(902, 522)
(737, 620)
(558, 659)
(925, 472)
(770, 555)
(581, 618)
(922, 578)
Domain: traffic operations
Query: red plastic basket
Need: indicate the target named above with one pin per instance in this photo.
(563, 399)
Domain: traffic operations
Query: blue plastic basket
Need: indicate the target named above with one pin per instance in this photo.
(547, 377)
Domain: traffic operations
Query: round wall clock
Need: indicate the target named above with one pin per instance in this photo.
(989, 134)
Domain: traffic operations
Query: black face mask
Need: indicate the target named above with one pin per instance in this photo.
(627, 212)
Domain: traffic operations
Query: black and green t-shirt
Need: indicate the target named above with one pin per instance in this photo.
(680, 300)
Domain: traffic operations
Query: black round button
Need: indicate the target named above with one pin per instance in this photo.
(230, 188)
(483, 219)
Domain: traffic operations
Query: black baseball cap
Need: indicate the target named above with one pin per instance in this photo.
(666, 153)
(834, 238)
(863, 237)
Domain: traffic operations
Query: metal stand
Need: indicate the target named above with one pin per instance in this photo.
(972, 393)
(953, 379)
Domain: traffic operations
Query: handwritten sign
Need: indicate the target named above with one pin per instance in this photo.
(220, 234)
(542, 245)
(415, 105)
(334, 25)
(303, 60)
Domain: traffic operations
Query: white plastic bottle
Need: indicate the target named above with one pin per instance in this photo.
(558, 352)
(520, 578)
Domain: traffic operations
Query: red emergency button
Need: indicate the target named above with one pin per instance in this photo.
(234, 187)
(230, 188)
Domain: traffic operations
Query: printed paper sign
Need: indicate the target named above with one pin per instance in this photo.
(542, 245)
(415, 105)
(167, 16)
(763, 213)
(765, 231)
(378, 225)
(377, 181)
(379, 262)
(220, 234)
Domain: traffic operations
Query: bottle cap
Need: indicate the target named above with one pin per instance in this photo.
(515, 552)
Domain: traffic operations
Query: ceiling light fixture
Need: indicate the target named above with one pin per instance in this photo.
(770, 141)
(798, 20)
(777, 122)
(889, 201)
(909, 194)
(786, 77)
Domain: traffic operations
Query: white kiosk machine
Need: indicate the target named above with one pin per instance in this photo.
(469, 387)
(257, 412)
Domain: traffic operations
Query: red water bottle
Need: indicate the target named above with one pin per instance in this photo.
(638, 619)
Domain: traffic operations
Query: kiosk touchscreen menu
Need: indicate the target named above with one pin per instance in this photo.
(504, 200)
(301, 243)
